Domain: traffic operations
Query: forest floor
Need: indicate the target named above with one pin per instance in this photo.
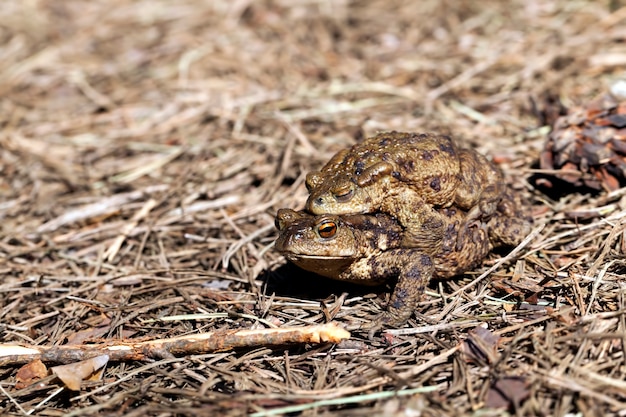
(145, 148)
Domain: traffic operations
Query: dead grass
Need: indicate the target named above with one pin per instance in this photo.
(146, 146)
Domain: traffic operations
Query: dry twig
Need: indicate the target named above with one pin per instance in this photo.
(119, 350)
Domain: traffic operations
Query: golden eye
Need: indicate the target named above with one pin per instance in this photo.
(327, 229)
(343, 194)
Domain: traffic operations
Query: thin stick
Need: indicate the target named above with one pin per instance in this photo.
(120, 350)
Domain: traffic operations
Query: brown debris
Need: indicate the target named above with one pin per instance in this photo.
(507, 392)
(73, 374)
(481, 346)
(589, 142)
(29, 373)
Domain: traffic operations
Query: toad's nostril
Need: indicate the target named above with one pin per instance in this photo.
(319, 201)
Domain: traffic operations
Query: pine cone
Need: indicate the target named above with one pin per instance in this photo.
(590, 142)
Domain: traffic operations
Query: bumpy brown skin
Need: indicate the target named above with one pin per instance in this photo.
(481, 186)
(408, 176)
(427, 163)
(371, 249)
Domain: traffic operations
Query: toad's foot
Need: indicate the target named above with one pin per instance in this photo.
(477, 215)
(469, 233)
(509, 231)
(383, 321)
(512, 222)
(414, 270)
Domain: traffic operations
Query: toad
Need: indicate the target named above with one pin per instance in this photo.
(408, 176)
(371, 249)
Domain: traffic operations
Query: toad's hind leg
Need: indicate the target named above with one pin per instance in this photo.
(508, 231)
(475, 245)
(512, 221)
(480, 191)
(481, 186)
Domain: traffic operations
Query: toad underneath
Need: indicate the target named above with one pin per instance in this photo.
(411, 176)
(373, 249)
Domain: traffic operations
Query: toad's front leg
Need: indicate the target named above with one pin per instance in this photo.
(424, 227)
(413, 269)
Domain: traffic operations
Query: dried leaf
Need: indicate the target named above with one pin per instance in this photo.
(74, 373)
(92, 333)
(568, 317)
(481, 345)
(29, 373)
(507, 392)
(617, 120)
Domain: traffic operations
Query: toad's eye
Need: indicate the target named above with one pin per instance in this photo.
(343, 194)
(327, 229)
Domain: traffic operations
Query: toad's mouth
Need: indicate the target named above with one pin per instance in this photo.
(294, 257)
(328, 266)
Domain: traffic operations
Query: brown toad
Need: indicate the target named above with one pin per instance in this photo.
(408, 176)
(371, 249)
